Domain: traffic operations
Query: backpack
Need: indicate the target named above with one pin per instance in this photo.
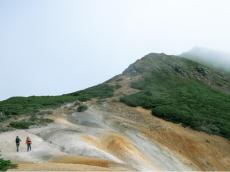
(18, 140)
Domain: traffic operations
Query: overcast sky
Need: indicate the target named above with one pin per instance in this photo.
(50, 47)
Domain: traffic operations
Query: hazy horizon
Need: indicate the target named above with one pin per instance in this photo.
(51, 47)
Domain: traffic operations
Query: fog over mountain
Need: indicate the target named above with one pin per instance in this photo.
(160, 114)
(114, 85)
(59, 46)
(214, 58)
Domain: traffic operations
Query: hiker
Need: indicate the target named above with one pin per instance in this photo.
(17, 141)
(28, 142)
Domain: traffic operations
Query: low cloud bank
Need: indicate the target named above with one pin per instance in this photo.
(210, 57)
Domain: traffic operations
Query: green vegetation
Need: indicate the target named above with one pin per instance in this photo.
(33, 104)
(100, 91)
(82, 108)
(186, 100)
(6, 164)
(21, 124)
(24, 105)
(32, 121)
(189, 102)
(117, 86)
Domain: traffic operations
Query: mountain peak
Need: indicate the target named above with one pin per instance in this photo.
(177, 67)
(154, 62)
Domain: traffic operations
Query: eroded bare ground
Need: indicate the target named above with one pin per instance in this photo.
(111, 136)
(205, 152)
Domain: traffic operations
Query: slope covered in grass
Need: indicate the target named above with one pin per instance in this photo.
(182, 91)
(27, 105)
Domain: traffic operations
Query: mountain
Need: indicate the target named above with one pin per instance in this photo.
(217, 59)
(183, 91)
(163, 112)
(174, 88)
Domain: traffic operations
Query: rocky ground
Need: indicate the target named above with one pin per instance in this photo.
(111, 136)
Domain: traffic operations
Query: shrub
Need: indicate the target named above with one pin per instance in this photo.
(82, 108)
(6, 164)
(28, 105)
(100, 91)
(187, 101)
(39, 121)
(32, 121)
(21, 124)
(117, 86)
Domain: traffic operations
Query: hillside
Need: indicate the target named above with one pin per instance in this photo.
(174, 88)
(139, 120)
(182, 91)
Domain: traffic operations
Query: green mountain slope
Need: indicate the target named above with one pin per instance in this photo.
(27, 105)
(174, 88)
(182, 91)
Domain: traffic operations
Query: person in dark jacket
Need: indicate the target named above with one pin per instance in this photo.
(17, 141)
(28, 142)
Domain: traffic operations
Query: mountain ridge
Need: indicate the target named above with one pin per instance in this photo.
(187, 68)
(169, 85)
(182, 91)
(163, 112)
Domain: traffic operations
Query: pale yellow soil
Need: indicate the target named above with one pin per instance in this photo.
(207, 152)
(63, 167)
(82, 160)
